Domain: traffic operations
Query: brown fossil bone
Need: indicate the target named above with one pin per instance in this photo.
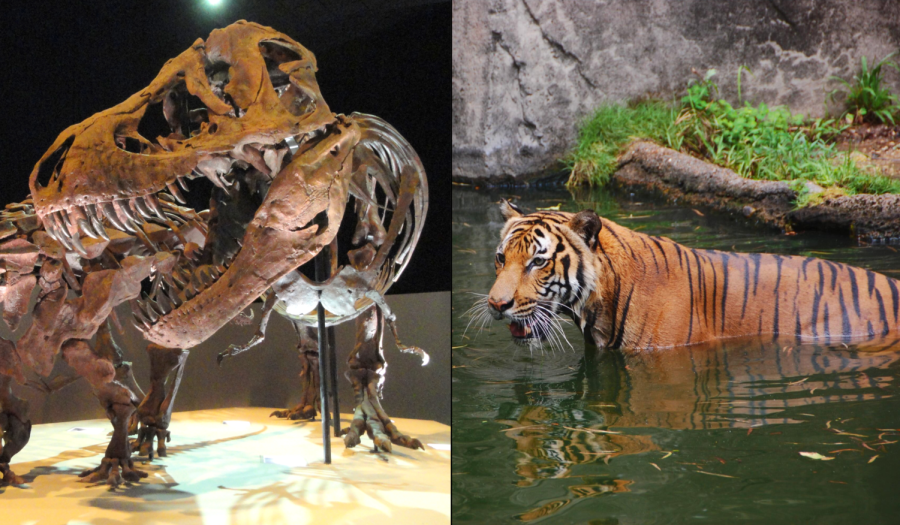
(107, 222)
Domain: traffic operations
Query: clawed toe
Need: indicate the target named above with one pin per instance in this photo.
(109, 472)
(9, 477)
(298, 412)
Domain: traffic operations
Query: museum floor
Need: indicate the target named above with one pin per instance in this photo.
(231, 466)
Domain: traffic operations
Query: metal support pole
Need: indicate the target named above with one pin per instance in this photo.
(332, 358)
(323, 376)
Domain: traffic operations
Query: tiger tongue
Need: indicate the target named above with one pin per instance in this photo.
(519, 330)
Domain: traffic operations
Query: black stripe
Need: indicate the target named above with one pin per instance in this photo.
(834, 273)
(854, 289)
(755, 257)
(881, 312)
(663, 252)
(778, 261)
(621, 329)
(871, 278)
(725, 258)
(701, 279)
(894, 296)
(805, 262)
(715, 287)
(845, 320)
(825, 318)
(815, 313)
(691, 290)
(746, 286)
(624, 246)
(797, 328)
(821, 277)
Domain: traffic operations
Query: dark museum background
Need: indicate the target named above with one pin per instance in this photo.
(63, 62)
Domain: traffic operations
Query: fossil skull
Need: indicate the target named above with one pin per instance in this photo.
(242, 109)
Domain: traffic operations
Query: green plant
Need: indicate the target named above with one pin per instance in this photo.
(866, 100)
(758, 142)
(601, 137)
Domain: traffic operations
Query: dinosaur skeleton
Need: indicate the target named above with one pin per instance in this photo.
(107, 222)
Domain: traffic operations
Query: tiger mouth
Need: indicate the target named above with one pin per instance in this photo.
(522, 332)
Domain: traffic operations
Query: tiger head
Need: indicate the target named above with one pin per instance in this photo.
(545, 266)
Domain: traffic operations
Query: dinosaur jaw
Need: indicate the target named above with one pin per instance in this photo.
(300, 213)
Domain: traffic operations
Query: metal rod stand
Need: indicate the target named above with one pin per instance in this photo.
(334, 386)
(323, 376)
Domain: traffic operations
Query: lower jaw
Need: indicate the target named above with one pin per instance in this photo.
(198, 319)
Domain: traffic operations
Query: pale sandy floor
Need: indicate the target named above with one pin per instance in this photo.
(250, 471)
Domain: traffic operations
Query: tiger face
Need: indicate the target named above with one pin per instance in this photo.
(545, 267)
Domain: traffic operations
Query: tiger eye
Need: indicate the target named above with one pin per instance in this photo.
(501, 259)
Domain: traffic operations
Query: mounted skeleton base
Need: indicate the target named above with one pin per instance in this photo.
(108, 222)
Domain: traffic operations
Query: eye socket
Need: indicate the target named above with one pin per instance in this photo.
(538, 262)
(501, 259)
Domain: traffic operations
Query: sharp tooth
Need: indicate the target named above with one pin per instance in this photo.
(214, 270)
(98, 227)
(183, 184)
(128, 213)
(164, 302)
(196, 282)
(140, 325)
(139, 314)
(153, 204)
(221, 269)
(179, 282)
(65, 221)
(142, 207)
(112, 217)
(173, 189)
(173, 297)
(189, 292)
(76, 243)
(93, 211)
(149, 307)
(87, 229)
(50, 226)
(206, 276)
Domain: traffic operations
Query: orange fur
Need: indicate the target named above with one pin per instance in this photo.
(652, 292)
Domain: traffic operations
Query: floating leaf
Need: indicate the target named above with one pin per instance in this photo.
(656, 467)
(815, 455)
(698, 212)
(714, 474)
(873, 458)
(550, 208)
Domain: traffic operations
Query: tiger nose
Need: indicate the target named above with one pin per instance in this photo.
(499, 306)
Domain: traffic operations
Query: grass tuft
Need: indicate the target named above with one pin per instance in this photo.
(757, 142)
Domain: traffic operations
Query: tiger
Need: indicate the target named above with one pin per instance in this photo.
(626, 289)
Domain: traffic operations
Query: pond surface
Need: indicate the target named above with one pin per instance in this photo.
(703, 434)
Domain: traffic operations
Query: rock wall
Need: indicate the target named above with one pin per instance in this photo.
(525, 72)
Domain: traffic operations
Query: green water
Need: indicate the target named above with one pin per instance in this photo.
(695, 435)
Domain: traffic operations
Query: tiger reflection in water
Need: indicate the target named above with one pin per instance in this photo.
(733, 384)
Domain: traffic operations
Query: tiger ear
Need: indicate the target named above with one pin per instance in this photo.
(509, 210)
(587, 225)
